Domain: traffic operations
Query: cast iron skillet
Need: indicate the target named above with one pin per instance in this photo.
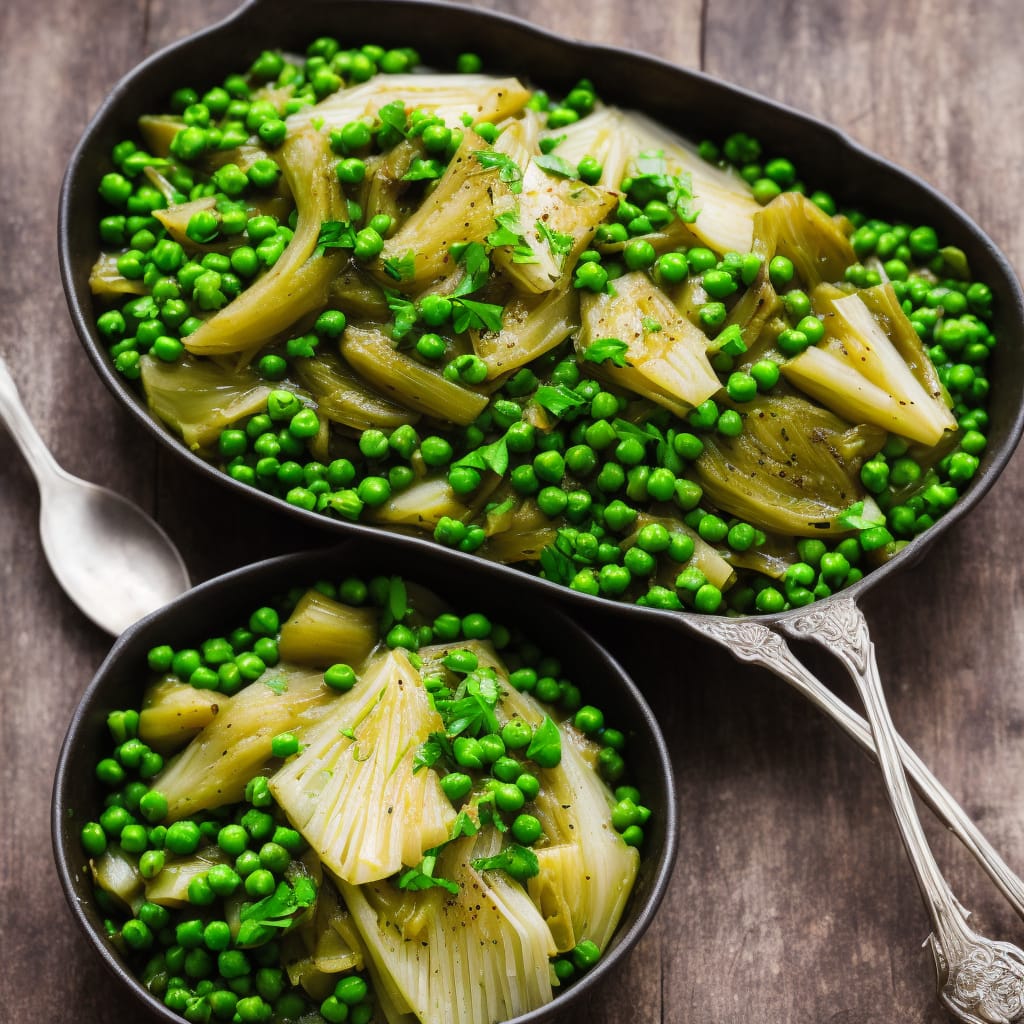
(218, 605)
(692, 103)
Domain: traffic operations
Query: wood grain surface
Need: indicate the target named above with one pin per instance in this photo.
(792, 900)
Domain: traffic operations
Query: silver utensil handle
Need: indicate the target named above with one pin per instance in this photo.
(754, 643)
(979, 981)
(43, 465)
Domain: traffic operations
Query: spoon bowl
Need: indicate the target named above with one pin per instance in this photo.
(111, 559)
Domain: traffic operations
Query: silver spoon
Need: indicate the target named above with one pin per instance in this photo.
(979, 981)
(755, 643)
(112, 560)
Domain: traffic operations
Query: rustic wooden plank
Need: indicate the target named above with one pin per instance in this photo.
(670, 31)
(792, 899)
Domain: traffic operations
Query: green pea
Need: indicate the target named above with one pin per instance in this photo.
(183, 838)
(527, 829)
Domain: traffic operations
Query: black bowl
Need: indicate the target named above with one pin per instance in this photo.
(219, 604)
(688, 101)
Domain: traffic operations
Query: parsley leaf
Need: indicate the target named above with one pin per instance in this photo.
(557, 398)
(730, 341)
(477, 267)
(401, 268)
(855, 518)
(393, 115)
(559, 244)
(436, 746)
(279, 910)
(517, 861)
(603, 350)
(508, 170)
(556, 165)
(427, 756)
(556, 565)
(653, 181)
(404, 313)
(509, 233)
(422, 877)
(493, 456)
(335, 234)
(483, 316)
(546, 746)
(463, 825)
(644, 434)
(473, 710)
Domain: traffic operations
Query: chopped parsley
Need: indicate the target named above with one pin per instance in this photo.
(474, 261)
(481, 316)
(605, 350)
(335, 234)
(560, 244)
(508, 170)
(403, 311)
(401, 268)
(556, 165)
(557, 399)
(653, 181)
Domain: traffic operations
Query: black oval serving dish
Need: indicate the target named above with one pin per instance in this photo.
(690, 102)
(221, 602)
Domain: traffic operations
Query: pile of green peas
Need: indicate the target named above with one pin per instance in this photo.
(188, 956)
(591, 477)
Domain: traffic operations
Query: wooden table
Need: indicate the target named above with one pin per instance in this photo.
(792, 899)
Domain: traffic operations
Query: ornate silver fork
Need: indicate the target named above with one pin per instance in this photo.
(980, 981)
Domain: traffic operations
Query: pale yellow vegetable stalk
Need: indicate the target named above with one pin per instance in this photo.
(793, 470)
(214, 768)
(343, 397)
(173, 712)
(531, 326)
(169, 887)
(353, 792)
(198, 399)
(460, 209)
(858, 373)
(605, 135)
(726, 207)
(574, 807)
(402, 378)
(478, 957)
(117, 874)
(571, 210)
(298, 282)
(321, 632)
(484, 97)
(421, 505)
(106, 281)
(717, 570)
(666, 355)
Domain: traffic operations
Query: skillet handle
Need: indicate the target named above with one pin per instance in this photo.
(959, 952)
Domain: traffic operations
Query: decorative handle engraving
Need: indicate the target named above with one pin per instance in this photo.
(979, 981)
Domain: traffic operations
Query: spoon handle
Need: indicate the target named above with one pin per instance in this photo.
(42, 463)
(979, 981)
(754, 643)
